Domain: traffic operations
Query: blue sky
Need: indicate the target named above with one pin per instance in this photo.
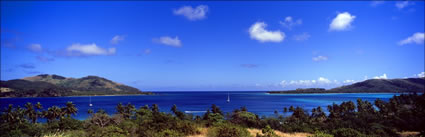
(172, 46)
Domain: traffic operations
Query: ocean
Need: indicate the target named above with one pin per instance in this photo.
(196, 103)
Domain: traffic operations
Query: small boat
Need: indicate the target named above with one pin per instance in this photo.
(90, 102)
(228, 97)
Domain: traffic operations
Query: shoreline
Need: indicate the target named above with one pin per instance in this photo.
(150, 93)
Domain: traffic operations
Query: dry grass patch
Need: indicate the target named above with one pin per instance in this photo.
(254, 132)
(408, 133)
(204, 132)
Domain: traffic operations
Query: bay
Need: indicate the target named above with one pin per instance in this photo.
(196, 103)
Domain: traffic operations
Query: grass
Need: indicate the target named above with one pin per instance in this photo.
(254, 132)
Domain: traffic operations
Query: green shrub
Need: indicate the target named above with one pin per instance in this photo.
(267, 132)
(75, 133)
(321, 134)
(347, 132)
(170, 133)
(228, 130)
(109, 131)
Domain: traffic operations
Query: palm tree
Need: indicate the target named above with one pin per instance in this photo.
(69, 109)
(19, 115)
(53, 113)
(9, 114)
(38, 106)
(30, 112)
(120, 109)
(90, 111)
(174, 109)
(129, 110)
(155, 108)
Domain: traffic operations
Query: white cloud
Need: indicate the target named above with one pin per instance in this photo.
(384, 76)
(302, 37)
(342, 22)
(321, 81)
(290, 22)
(258, 32)
(417, 38)
(348, 81)
(320, 58)
(166, 40)
(193, 14)
(117, 39)
(402, 4)
(35, 48)
(421, 75)
(88, 50)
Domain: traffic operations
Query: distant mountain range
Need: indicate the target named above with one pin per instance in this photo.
(54, 85)
(370, 86)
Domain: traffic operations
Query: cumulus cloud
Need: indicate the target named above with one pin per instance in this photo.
(342, 22)
(258, 32)
(289, 22)
(349, 81)
(35, 48)
(88, 50)
(117, 38)
(321, 81)
(384, 76)
(402, 4)
(417, 38)
(169, 41)
(421, 75)
(302, 37)
(320, 58)
(192, 14)
(249, 65)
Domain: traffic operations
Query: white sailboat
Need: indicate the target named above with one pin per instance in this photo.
(228, 97)
(90, 102)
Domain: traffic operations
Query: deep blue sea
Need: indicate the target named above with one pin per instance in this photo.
(197, 103)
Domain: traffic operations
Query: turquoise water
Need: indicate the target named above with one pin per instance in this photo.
(197, 103)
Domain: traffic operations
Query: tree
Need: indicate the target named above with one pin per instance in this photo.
(291, 109)
(244, 109)
(216, 109)
(174, 109)
(178, 113)
(90, 111)
(53, 113)
(129, 111)
(120, 109)
(30, 112)
(69, 109)
(9, 113)
(155, 108)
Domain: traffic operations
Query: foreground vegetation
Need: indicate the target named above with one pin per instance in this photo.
(402, 113)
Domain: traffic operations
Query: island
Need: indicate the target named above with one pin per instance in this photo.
(45, 85)
(408, 85)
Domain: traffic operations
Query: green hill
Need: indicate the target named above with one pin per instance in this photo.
(384, 85)
(54, 85)
(369, 86)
